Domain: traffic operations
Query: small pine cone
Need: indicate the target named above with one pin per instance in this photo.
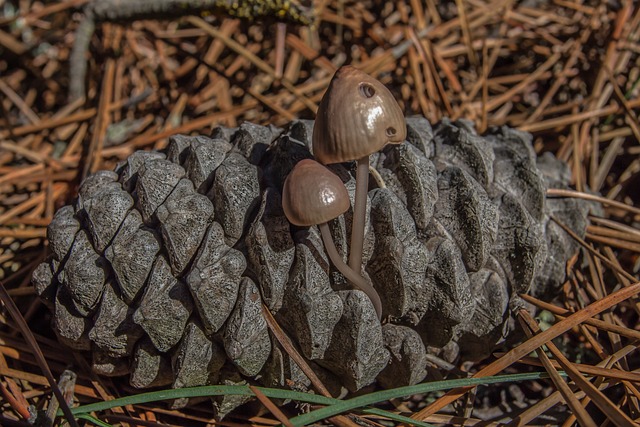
(161, 268)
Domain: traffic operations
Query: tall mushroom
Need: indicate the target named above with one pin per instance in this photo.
(356, 117)
(313, 195)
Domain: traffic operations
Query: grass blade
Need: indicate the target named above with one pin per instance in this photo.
(382, 396)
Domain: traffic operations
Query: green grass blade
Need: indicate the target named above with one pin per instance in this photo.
(217, 390)
(94, 420)
(332, 406)
(155, 396)
(397, 417)
(382, 396)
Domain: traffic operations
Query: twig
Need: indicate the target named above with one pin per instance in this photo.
(42, 362)
(533, 343)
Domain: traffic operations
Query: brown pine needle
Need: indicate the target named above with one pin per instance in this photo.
(614, 374)
(232, 44)
(15, 402)
(614, 242)
(42, 362)
(594, 252)
(286, 343)
(615, 225)
(268, 403)
(605, 326)
(612, 411)
(531, 328)
(533, 343)
(493, 62)
(288, 346)
(556, 192)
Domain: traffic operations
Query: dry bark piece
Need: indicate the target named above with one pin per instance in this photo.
(246, 337)
(215, 278)
(108, 10)
(164, 308)
(131, 254)
(117, 11)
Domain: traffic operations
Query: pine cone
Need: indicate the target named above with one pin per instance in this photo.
(160, 268)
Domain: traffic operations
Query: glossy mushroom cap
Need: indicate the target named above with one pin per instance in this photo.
(313, 194)
(357, 116)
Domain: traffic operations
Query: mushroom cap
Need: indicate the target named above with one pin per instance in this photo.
(312, 194)
(356, 117)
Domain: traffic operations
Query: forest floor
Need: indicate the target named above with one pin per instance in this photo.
(567, 71)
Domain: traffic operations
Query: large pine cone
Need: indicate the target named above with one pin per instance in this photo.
(161, 267)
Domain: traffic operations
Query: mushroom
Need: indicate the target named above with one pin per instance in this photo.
(356, 117)
(313, 195)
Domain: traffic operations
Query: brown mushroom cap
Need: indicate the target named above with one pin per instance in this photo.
(313, 194)
(357, 116)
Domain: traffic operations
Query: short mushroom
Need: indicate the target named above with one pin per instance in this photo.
(313, 195)
(356, 117)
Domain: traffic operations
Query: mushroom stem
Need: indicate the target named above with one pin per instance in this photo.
(354, 278)
(359, 214)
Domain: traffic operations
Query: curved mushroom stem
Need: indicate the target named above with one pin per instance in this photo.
(354, 278)
(359, 215)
